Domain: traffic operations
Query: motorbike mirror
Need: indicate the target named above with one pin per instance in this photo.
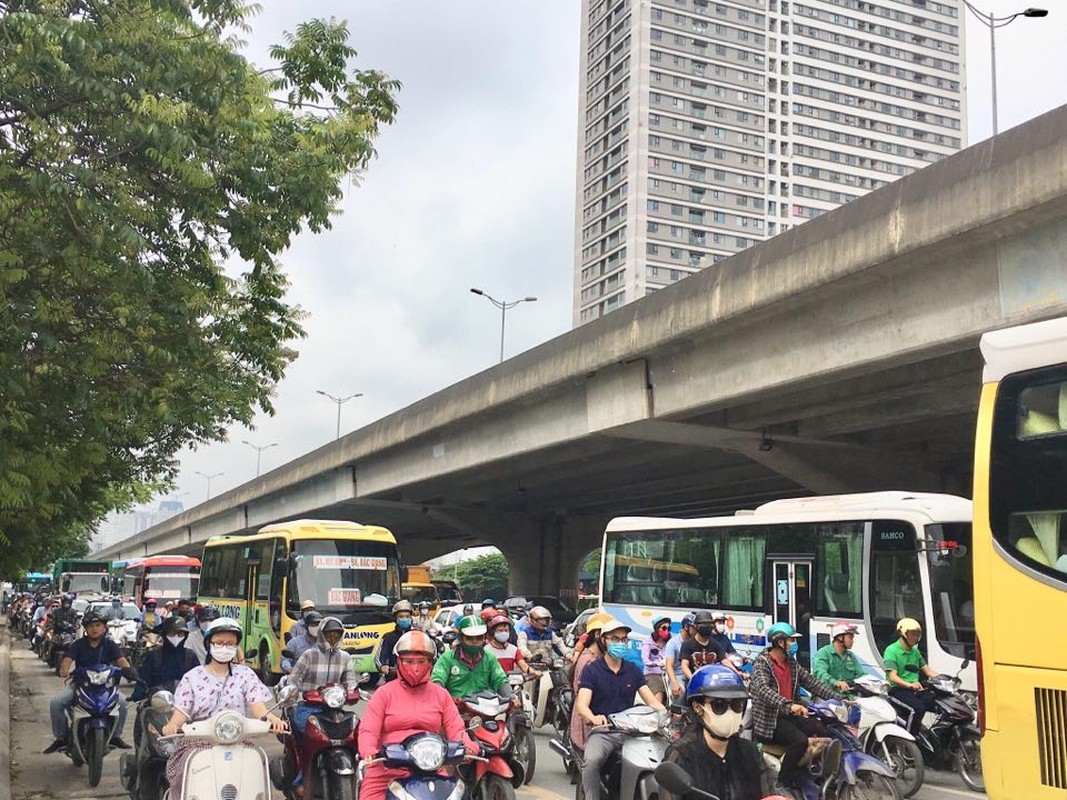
(674, 778)
(287, 653)
(966, 663)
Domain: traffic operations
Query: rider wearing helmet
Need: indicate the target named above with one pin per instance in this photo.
(205, 615)
(538, 638)
(166, 664)
(468, 609)
(412, 704)
(150, 618)
(65, 615)
(652, 650)
(298, 645)
(384, 657)
(423, 621)
(91, 649)
(324, 663)
(672, 665)
(904, 667)
(835, 664)
(467, 669)
(300, 626)
(499, 644)
(702, 648)
(219, 685)
(488, 602)
(777, 715)
(718, 760)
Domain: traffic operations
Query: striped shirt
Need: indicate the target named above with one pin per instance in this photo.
(321, 665)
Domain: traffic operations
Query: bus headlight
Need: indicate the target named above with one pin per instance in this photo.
(229, 728)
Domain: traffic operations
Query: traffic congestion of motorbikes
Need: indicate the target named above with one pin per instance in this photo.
(455, 710)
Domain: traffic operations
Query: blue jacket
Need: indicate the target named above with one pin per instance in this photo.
(298, 644)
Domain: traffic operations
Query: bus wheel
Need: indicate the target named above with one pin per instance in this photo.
(266, 674)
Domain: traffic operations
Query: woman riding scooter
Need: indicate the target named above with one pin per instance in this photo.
(412, 704)
(217, 686)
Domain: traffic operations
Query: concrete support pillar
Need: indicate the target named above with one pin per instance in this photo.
(544, 554)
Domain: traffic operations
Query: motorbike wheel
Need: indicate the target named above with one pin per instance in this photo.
(869, 786)
(493, 787)
(526, 751)
(969, 763)
(338, 787)
(95, 745)
(905, 758)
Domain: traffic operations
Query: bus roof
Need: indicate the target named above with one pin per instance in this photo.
(164, 561)
(935, 507)
(1023, 347)
(312, 529)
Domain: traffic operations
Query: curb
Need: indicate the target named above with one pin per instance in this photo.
(5, 711)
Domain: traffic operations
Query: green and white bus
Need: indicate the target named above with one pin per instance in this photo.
(350, 571)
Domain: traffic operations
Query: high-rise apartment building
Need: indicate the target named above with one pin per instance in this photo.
(707, 126)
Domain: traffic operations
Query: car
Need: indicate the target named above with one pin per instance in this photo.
(448, 616)
(105, 610)
(562, 614)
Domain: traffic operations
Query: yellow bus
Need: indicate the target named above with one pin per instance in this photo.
(1020, 561)
(350, 571)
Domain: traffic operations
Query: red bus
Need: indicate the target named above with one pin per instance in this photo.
(161, 577)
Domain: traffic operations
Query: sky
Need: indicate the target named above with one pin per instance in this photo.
(474, 186)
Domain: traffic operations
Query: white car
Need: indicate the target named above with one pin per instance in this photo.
(448, 616)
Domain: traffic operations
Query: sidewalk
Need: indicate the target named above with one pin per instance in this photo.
(5, 711)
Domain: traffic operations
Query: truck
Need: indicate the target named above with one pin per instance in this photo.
(82, 576)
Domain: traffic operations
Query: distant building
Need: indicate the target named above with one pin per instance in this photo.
(122, 525)
(707, 126)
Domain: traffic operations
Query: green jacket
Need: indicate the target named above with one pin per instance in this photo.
(829, 667)
(460, 680)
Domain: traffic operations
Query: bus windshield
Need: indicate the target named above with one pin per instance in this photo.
(86, 582)
(952, 586)
(339, 574)
(171, 585)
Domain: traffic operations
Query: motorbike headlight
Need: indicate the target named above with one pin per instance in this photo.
(229, 728)
(428, 753)
(334, 697)
(98, 677)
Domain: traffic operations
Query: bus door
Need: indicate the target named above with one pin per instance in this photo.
(896, 589)
(791, 587)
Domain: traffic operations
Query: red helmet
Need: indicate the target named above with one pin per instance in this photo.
(488, 614)
(499, 619)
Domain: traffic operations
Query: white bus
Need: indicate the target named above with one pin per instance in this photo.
(867, 559)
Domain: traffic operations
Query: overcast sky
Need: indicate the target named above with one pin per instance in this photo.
(474, 186)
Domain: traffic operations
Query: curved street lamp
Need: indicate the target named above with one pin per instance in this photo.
(503, 305)
(259, 451)
(340, 402)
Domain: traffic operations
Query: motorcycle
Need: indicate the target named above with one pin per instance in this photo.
(327, 752)
(499, 772)
(554, 678)
(91, 721)
(63, 637)
(229, 766)
(144, 772)
(145, 644)
(883, 737)
(952, 742)
(630, 773)
(518, 721)
(123, 632)
(423, 755)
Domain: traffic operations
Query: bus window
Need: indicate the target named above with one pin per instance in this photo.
(839, 570)
(896, 590)
(952, 586)
(264, 552)
(664, 567)
(742, 575)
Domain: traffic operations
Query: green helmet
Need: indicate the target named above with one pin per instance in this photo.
(471, 626)
(780, 629)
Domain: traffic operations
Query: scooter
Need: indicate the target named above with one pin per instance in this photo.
(518, 722)
(62, 638)
(630, 773)
(952, 742)
(91, 721)
(883, 737)
(123, 632)
(144, 771)
(554, 677)
(423, 755)
(327, 753)
(229, 766)
(499, 772)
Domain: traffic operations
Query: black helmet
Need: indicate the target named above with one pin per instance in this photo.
(703, 617)
(175, 625)
(207, 614)
(312, 618)
(331, 625)
(91, 617)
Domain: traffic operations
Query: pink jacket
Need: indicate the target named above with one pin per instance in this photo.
(396, 711)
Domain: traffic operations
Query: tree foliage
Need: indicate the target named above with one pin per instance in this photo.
(150, 176)
(485, 576)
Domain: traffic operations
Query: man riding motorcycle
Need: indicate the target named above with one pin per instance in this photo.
(166, 664)
(717, 759)
(298, 645)
(385, 657)
(835, 664)
(467, 669)
(92, 649)
(904, 669)
(150, 619)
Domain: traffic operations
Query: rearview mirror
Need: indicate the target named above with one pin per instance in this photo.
(966, 663)
(673, 778)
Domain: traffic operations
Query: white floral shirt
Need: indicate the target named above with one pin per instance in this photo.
(201, 694)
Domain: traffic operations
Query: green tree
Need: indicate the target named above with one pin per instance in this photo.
(150, 176)
(485, 576)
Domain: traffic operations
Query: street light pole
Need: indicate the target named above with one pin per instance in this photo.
(504, 306)
(208, 478)
(259, 451)
(340, 401)
(993, 22)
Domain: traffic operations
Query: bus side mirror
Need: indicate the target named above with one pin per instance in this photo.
(281, 566)
(105, 584)
(403, 574)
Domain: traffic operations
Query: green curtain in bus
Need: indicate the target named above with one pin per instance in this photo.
(743, 571)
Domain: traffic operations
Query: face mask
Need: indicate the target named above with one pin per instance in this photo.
(471, 649)
(314, 629)
(705, 630)
(413, 674)
(663, 635)
(176, 640)
(793, 648)
(223, 653)
(423, 612)
(721, 726)
(720, 627)
(501, 636)
(617, 650)
(403, 623)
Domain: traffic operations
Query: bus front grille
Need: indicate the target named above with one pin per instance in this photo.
(1052, 735)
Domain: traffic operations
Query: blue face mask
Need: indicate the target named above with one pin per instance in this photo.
(617, 650)
(403, 623)
(793, 648)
